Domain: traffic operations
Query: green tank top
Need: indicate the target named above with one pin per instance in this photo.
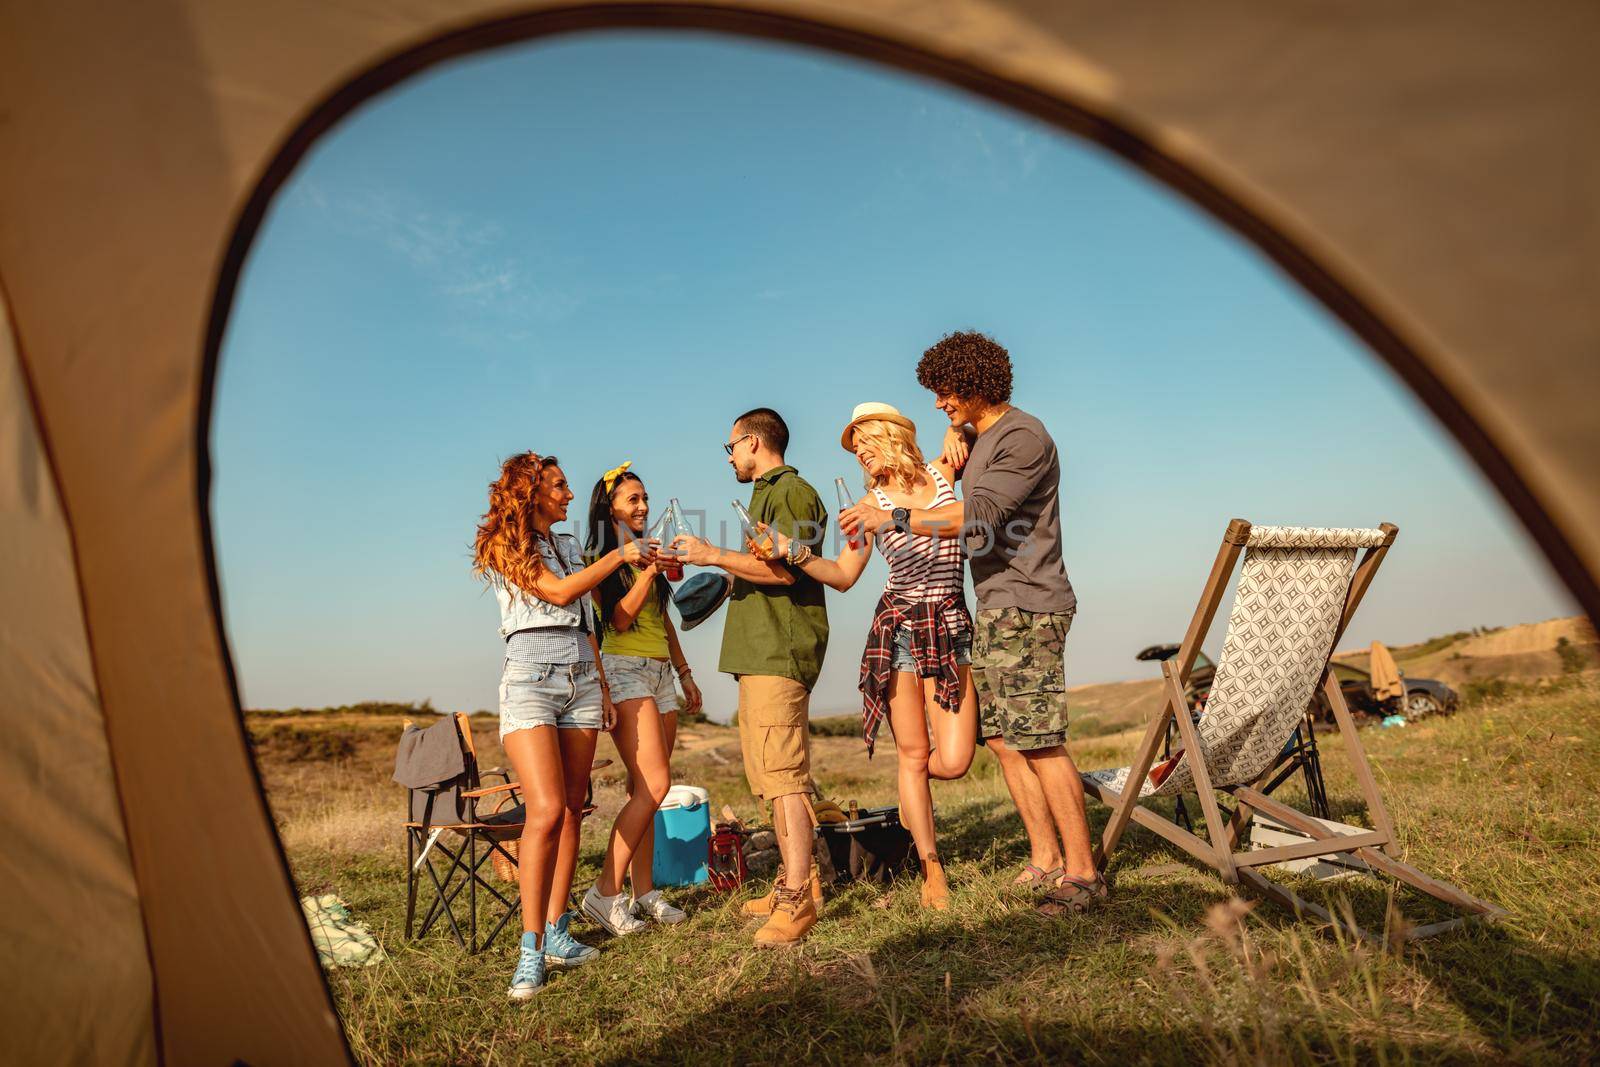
(646, 637)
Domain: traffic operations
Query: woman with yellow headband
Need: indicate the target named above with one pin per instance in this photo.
(640, 653)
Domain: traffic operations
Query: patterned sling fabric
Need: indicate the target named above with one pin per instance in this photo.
(1313, 537)
(1291, 594)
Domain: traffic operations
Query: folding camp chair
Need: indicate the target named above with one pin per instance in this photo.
(450, 839)
(445, 802)
(1295, 597)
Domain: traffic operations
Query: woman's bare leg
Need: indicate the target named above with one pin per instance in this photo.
(955, 735)
(577, 759)
(535, 755)
(643, 748)
(642, 871)
(910, 726)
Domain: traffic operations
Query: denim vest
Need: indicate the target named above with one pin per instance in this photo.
(524, 611)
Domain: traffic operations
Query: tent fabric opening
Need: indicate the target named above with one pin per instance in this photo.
(1412, 171)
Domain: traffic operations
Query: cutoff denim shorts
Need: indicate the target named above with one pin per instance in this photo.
(903, 660)
(563, 695)
(636, 677)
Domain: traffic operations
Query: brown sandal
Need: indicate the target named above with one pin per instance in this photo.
(1035, 879)
(1075, 896)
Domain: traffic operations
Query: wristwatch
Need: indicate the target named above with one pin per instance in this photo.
(901, 518)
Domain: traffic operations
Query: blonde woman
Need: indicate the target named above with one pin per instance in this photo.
(915, 667)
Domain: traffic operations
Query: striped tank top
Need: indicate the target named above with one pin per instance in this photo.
(922, 566)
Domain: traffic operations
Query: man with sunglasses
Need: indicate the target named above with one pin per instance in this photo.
(773, 641)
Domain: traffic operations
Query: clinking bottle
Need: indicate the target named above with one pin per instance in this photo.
(843, 493)
(764, 544)
(667, 530)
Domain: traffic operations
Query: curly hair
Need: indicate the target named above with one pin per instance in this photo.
(505, 549)
(967, 364)
(897, 446)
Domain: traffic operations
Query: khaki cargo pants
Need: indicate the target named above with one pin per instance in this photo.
(774, 736)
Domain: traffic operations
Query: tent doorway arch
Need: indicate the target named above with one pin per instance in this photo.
(140, 384)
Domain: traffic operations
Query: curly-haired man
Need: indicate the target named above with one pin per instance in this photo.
(1010, 521)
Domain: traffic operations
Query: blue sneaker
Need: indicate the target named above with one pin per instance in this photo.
(561, 949)
(528, 978)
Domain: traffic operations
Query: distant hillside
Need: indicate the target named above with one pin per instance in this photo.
(1112, 707)
(1523, 653)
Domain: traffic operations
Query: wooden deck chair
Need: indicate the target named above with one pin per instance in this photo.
(449, 841)
(1297, 591)
(1300, 754)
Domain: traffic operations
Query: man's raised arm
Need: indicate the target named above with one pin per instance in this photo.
(703, 553)
(1018, 465)
(1019, 462)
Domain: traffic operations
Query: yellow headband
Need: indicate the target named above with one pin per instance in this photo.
(610, 477)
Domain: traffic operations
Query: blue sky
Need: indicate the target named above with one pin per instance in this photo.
(608, 246)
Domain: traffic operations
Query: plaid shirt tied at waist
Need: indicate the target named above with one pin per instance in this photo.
(932, 646)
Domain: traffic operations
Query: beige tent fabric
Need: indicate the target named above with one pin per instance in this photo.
(73, 935)
(1386, 684)
(1426, 169)
(115, 192)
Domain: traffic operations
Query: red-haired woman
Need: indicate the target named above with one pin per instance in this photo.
(553, 699)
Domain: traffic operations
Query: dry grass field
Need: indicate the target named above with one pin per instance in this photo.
(1502, 798)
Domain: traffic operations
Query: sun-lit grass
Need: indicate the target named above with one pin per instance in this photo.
(1502, 799)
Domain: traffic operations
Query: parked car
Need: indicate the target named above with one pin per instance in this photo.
(1424, 696)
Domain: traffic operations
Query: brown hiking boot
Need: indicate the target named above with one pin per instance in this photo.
(761, 906)
(793, 916)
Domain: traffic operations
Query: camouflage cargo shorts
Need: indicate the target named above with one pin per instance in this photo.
(1020, 672)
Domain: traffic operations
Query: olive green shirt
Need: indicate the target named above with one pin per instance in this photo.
(780, 630)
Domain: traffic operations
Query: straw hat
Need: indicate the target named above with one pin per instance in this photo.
(873, 411)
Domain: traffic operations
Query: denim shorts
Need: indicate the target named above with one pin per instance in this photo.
(904, 661)
(564, 695)
(636, 677)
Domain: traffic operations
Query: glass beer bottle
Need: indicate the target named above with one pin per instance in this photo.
(843, 493)
(662, 533)
(672, 526)
(762, 540)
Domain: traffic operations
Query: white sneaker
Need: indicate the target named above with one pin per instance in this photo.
(654, 906)
(611, 913)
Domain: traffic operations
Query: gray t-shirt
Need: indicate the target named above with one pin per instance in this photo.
(1011, 502)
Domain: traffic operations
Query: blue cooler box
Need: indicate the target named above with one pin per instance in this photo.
(683, 836)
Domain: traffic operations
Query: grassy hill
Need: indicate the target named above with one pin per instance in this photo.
(1527, 653)
(1503, 799)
